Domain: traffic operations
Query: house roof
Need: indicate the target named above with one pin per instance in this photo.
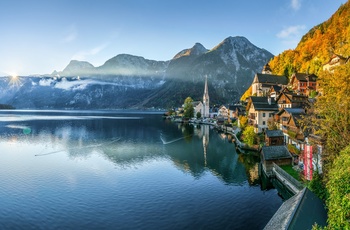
(276, 88)
(274, 133)
(301, 211)
(240, 108)
(295, 111)
(305, 77)
(292, 111)
(261, 103)
(272, 79)
(337, 56)
(275, 152)
(293, 96)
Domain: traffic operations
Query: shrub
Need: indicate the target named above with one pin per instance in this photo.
(338, 187)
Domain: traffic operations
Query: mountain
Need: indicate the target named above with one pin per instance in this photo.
(127, 81)
(76, 67)
(317, 46)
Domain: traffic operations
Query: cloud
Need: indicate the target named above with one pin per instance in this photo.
(295, 4)
(70, 37)
(291, 32)
(81, 55)
(71, 34)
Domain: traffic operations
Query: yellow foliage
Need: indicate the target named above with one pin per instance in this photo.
(247, 94)
(317, 46)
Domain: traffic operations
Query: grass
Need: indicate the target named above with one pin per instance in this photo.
(289, 169)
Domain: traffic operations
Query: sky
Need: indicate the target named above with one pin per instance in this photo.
(40, 36)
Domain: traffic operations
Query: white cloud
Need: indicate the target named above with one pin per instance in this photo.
(296, 4)
(70, 37)
(81, 55)
(71, 34)
(291, 32)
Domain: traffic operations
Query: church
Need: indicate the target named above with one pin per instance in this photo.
(203, 106)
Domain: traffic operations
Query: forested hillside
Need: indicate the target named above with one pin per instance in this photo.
(317, 46)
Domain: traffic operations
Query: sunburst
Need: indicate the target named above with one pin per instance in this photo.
(14, 81)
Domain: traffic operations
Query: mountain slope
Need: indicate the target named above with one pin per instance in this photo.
(317, 46)
(230, 67)
(127, 81)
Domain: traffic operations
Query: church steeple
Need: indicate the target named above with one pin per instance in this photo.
(205, 112)
(266, 69)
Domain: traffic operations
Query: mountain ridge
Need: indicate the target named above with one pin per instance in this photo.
(128, 81)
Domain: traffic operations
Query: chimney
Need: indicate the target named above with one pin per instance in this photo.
(269, 100)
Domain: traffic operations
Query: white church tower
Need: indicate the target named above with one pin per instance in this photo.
(205, 108)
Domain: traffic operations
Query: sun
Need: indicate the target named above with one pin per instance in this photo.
(14, 81)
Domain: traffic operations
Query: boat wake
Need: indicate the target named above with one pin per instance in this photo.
(172, 141)
(83, 147)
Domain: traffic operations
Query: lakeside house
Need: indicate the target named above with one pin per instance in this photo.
(274, 137)
(260, 110)
(277, 154)
(288, 120)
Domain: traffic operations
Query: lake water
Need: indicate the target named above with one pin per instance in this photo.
(124, 170)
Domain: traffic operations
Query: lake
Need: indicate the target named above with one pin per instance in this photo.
(124, 170)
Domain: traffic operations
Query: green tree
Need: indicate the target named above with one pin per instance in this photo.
(188, 108)
(198, 115)
(338, 187)
(249, 136)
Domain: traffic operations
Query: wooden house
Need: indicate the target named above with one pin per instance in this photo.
(289, 99)
(274, 137)
(277, 154)
(260, 110)
(289, 122)
(303, 83)
(275, 91)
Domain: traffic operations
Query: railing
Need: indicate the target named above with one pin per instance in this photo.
(288, 177)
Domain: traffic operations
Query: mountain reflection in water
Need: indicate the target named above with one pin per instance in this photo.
(64, 159)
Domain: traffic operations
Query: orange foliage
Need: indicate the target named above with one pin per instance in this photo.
(317, 46)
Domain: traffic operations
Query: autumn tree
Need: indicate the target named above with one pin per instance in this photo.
(317, 46)
(247, 94)
(243, 121)
(249, 136)
(332, 109)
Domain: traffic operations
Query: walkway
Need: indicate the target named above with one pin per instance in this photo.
(290, 182)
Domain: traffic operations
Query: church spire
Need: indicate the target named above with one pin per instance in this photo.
(205, 112)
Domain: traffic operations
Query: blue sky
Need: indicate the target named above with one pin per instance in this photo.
(39, 36)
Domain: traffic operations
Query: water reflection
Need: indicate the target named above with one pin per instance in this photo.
(127, 141)
(126, 173)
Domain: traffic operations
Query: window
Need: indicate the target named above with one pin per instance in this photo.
(263, 114)
(270, 114)
(264, 122)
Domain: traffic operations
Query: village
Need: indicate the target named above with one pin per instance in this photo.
(274, 112)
